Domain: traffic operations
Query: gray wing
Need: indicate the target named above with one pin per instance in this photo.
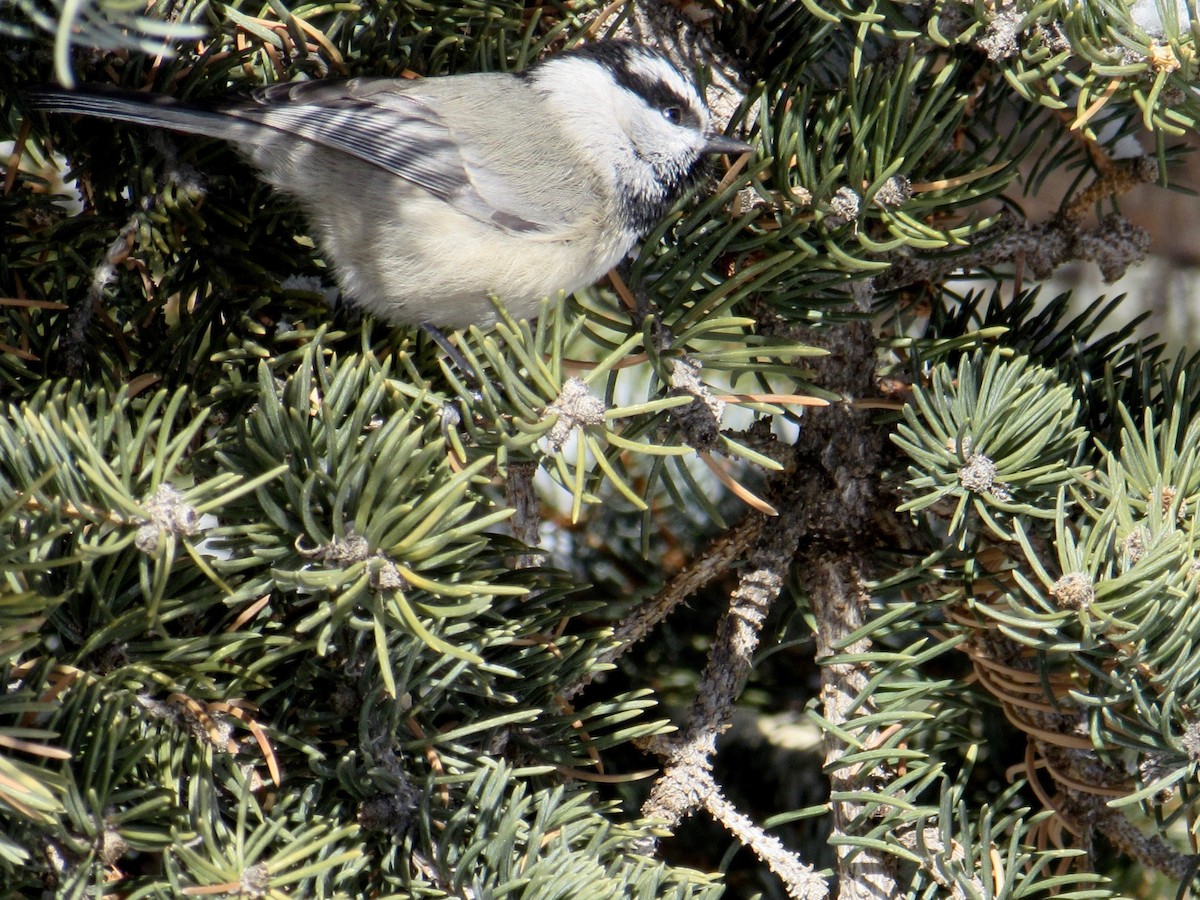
(423, 136)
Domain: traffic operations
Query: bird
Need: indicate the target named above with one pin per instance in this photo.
(430, 196)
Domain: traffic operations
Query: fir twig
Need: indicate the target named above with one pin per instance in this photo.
(840, 604)
(686, 784)
(714, 562)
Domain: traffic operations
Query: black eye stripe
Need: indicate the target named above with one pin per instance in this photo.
(658, 94)
(621, 58)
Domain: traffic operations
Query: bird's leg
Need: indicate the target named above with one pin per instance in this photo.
(451, 351)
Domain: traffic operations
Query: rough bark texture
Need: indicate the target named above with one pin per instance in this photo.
(839, 450)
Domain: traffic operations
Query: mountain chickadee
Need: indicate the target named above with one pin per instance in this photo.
(428, 195)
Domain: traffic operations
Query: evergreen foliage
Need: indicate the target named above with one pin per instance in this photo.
(293, 605)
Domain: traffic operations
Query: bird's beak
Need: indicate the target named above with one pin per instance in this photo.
(718, 143)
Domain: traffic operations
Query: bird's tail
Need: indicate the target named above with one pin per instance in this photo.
(144, 109)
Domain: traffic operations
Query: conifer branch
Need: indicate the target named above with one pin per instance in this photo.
(282, 607)
(676, 794)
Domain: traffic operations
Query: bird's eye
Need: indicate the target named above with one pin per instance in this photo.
(673, 114)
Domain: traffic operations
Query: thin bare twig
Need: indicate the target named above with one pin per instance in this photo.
(799, 878)
(676, 795)
(714, 562)
(102, 276)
